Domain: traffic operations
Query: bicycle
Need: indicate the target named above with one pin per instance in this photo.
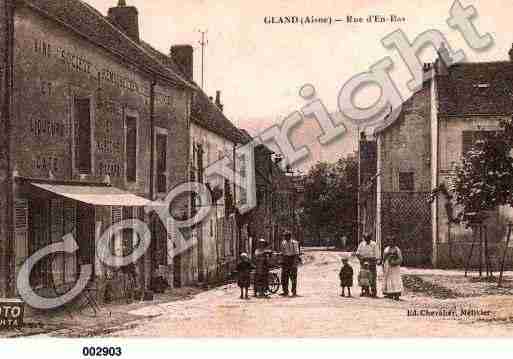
(273, 282)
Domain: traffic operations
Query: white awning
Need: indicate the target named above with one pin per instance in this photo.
(95, 195)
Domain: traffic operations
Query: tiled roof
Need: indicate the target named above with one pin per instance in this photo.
(207, 115)
(483, 88)
(204, 112)
(90, 23)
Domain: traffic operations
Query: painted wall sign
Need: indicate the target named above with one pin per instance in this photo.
(47, 128)
(81, 63)
(11, 313)
(46, 163)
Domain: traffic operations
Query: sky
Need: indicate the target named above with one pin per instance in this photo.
(260, 67)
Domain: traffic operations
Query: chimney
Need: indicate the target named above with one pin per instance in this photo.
(125, 18)
(182, 55)
(218, 100)
(511, 53)
(444, 61)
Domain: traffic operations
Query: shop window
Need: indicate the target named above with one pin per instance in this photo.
(50, 222)
(83, 154)
(131, 149)
(406, 181)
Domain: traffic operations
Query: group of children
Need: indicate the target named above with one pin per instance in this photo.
(346, 278)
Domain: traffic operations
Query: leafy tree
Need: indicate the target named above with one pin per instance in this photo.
(330, 203)
(484, 180)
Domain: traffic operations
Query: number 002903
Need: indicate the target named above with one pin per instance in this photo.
(101, 351)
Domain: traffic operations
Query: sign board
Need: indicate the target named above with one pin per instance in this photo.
(11, 313)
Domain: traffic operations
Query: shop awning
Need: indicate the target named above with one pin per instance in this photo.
(95, 195)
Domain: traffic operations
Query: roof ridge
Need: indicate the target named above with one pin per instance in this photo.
(152, 65)
(105, 19)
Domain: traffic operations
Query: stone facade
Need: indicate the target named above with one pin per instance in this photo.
(404, 166)
(217, 233)
(59, 76)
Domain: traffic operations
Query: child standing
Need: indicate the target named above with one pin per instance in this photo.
(364, 279)
(346, 277)
(244, 270)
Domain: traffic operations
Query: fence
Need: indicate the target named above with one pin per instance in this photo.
(407, 215)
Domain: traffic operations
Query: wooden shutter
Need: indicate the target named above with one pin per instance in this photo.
(56, 234)
(21, 230)
(128, 233)
(83, 135)
(116, 246)
(131, 149)
(161, 150)
(70, 262)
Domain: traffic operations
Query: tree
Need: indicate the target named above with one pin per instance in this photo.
(484, 179)
(330, 203)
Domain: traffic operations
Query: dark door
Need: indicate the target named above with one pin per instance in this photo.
(177, 271)
(85, 234)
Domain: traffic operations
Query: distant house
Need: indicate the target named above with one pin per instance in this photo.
(277, 202)
(418, 152)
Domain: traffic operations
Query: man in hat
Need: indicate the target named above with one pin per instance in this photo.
(368, 252)
(290, 261)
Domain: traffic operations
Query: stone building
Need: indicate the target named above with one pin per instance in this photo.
(213, 138)
(93, 125)
(277, 197)
(418, 152)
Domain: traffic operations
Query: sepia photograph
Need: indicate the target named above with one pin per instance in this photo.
(255, 170)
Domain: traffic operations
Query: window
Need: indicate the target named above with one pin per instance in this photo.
(125, 241)
(131, 149)
(406, 181)
(469, 138)
(50, 221)
(40, 275)
(161, 149)
(83, 133)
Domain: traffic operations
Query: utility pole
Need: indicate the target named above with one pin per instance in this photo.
(203, 42)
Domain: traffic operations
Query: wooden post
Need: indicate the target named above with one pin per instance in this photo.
(480, 250)
(474, 231)
(499, 283)
(489, 269)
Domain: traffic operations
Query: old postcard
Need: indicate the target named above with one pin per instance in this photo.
(228, 169)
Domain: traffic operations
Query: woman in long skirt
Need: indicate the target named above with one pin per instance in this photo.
(392, 260)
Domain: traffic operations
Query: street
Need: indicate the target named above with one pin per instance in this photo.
(318, 311)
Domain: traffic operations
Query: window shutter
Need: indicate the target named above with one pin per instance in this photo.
(56, 234)
(115, 243)
(70, 269)
(161, 163)
(21, 230)
(83, 135)
(169, 241)
(131, 149)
